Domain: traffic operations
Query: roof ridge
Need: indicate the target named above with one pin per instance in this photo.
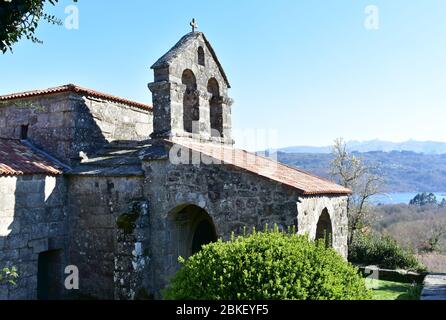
(77, 89)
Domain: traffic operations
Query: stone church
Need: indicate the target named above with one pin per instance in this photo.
(120, 189)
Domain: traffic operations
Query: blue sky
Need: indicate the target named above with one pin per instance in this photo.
(308, 70)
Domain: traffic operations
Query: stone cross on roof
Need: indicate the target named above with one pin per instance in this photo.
(194, 25)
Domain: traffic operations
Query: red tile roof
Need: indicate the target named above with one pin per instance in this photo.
(305, 182)
(18, 159)
(76, 89)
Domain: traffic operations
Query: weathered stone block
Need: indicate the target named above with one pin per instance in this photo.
(38, 246)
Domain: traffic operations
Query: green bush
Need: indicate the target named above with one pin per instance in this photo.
(267, 266)
(382, 251)
(8, 276)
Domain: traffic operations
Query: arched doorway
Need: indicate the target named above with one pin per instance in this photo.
(324, 229)
(192, 228)
(204, 233)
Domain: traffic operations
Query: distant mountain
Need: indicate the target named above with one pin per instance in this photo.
(403, 171)
(425, 147)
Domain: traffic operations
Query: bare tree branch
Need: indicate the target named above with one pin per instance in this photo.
(351, 172)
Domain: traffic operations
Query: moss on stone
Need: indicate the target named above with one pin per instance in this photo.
(126, 222)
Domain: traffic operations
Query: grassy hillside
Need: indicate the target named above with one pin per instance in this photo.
(412, 227)
(403, 171)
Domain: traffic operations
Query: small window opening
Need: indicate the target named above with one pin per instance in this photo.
(201, 61)
(24, 132)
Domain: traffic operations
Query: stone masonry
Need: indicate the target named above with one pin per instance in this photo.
(65, 123)
(111, 186)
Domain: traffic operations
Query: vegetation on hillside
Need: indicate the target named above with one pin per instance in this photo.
(422, 228)
(403, 171)
(368, 246)
(419, 227)
(382, 251)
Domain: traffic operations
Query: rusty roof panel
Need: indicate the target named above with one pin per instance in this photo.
(18, 159)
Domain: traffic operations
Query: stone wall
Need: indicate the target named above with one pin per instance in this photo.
(310, 209)
(32, 221)
(234, 199)
(67, 123)
(117, 121)
(95, 203)
(168, 93)
(49, 121)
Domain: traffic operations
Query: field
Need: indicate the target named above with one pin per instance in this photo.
(387, 290)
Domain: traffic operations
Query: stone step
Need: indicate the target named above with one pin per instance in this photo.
(434, 287)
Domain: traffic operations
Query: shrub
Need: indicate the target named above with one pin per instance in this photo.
(265, 266)
(382, 251)
(8, 276)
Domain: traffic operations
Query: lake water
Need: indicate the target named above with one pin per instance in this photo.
(402, 197)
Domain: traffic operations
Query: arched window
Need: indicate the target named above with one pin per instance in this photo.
(216, 111)
(191, 109)
(324, 229)
(201, 60)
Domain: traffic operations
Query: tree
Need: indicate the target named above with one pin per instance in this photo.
(424, 199)
(437, 230)
(20, 18)
(352, 173)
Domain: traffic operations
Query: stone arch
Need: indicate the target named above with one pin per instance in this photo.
(191, 104)
(324, 228)
(215, 106)
(192, 227)
(201, 57)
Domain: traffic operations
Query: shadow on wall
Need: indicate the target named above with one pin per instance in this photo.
(33, 212)
(36, 217)
(66, 124)
(33, 229)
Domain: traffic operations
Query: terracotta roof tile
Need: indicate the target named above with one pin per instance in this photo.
(18, 159)
(76, 89)
(303, 181)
